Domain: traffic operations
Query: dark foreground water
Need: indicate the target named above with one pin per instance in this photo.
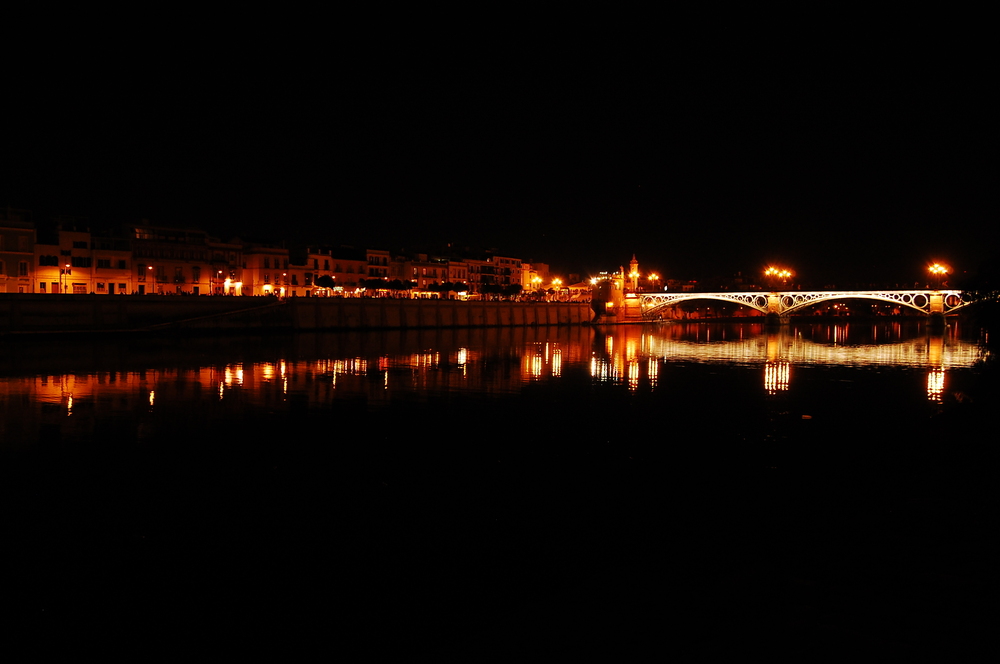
(820, 490)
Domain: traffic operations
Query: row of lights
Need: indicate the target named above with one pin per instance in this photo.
(773, 273)
(937, 270)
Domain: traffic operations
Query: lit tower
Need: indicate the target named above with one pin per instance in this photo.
(633, 274)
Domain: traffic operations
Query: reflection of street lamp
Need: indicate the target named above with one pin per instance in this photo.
(152, 285)
(938, 273)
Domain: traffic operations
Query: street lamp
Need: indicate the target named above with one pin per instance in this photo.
(653, 278)
(938, 273)
(63, 279)
(774, 274)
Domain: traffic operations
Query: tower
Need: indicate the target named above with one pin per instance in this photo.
(633, 274)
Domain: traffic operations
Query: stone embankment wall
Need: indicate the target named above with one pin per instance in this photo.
(25, 314)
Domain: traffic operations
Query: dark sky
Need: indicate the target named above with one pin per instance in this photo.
(847, 153)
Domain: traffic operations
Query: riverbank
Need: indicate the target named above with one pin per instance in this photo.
(89, 314)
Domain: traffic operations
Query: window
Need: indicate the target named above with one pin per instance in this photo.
(41, 286)
(104, 263)
(326, 264)
(22, 269)
(48, 261)
(79, 245)
(309, 278)
(195, 273)
(122, 264)
(81, 261)
(267, 264)
(100, 287)
(141, 269)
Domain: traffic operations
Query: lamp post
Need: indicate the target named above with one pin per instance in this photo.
(776, 274)
(653, 278)
(938, 273)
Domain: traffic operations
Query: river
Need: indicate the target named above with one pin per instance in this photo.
(724, 484)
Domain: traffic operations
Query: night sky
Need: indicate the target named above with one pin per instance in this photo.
(849, 154)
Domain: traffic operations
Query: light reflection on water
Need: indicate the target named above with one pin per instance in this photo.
(375, 369)
(776, 351)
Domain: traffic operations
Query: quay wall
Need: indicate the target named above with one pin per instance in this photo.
(36, 313)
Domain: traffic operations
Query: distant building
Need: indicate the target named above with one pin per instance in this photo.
(17, 251)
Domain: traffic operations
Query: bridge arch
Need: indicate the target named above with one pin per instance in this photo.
(787, 302)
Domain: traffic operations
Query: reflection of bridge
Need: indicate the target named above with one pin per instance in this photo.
(786, 302)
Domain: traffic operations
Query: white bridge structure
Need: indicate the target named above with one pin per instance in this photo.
(784, 303)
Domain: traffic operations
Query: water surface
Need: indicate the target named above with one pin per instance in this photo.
(755, 477)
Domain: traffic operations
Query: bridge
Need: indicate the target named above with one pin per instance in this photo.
(784, 303)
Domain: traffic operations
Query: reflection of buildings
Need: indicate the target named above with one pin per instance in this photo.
(72, 406)
(417, 366)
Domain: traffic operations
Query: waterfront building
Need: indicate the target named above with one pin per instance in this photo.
(502, 271)
(265, 269)
(378, 263)
(348, 266)
(64, 261)
(534, 276)
(227, 265)
(17, 253)
(176, 261)
(425, 272)
(112, 272)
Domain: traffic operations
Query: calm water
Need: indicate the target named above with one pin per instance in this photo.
(430, 478)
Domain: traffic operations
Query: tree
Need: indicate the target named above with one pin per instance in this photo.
(512, 290)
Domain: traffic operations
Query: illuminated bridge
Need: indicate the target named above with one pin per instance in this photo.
(784, 303)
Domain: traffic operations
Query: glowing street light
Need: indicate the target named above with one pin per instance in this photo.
(938, 273)
(773, 274)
